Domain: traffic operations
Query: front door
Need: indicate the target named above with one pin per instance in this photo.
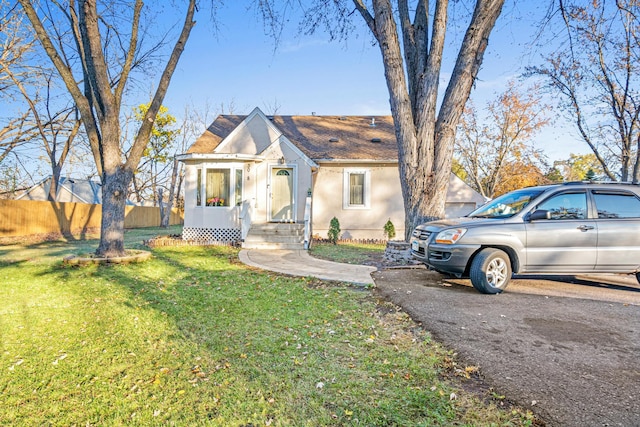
(282, 201)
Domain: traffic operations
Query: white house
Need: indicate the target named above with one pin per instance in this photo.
(256, 178)
(69, 190)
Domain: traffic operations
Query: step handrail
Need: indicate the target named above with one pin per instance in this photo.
(307, 223)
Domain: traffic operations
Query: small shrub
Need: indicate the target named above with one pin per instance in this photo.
(334, 230)
(389, 230)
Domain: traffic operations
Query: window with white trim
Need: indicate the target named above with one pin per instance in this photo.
(217, 187)
(220, 187)
(357, 189)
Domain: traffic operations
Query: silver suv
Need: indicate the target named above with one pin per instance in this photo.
(570, 228)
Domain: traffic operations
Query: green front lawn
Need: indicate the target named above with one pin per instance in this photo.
(349, 253)
(192, 337)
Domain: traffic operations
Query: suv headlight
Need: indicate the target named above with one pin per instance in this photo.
(450, 236)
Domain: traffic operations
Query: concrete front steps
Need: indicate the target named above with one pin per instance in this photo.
(288, 236)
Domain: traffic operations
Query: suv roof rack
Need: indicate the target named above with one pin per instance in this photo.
(600, 182)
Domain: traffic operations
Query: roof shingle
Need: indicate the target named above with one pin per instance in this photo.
(318, 137)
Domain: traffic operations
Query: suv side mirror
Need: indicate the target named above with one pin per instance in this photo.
(539, 214)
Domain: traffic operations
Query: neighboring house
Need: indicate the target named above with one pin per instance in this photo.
(247, 172)
(69, 190)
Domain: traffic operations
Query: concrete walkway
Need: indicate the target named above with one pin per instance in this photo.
(300, 263)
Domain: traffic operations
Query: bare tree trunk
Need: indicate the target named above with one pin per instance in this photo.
(163, 209)
(137, 190)
(636, 165)
(99, 102)
(154, 186)
(165, 214)
(178, 191)
(57, 163)
(425, 143)
(55, 181)
(114, 196)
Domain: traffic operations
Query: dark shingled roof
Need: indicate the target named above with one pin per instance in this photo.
(318, 137)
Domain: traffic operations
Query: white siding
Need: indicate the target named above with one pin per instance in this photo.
(363, 223)
(222, 217)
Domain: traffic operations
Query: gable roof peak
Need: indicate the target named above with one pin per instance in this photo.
(365, 137)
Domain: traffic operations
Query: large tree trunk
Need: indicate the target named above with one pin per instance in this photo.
(114, 197)
(425, 142)
(99, 104)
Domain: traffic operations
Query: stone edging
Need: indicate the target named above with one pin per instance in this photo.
(399, 252)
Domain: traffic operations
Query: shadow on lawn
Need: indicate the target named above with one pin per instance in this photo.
(182, 283)
(53, 250)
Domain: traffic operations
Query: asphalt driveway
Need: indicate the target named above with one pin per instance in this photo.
(568, 349)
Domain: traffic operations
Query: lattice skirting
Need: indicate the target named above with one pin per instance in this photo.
(211, 234)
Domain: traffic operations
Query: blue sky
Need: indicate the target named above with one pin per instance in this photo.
(237, 65)
(305, 74)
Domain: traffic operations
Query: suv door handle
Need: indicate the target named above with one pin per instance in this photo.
(586, 227)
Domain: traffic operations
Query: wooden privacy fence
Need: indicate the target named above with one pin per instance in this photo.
(27, 217)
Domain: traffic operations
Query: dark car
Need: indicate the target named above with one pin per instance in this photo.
(569, 228)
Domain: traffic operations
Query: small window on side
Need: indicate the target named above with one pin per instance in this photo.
(357, 189)
(238, 189)
(199, 188)
(617, 205)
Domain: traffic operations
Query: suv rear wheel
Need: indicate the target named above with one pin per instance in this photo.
(490, 271)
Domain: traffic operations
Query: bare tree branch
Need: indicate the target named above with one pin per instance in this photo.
(599, 80)
(99, 103)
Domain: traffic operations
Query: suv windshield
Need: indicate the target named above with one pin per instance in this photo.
(507, 205)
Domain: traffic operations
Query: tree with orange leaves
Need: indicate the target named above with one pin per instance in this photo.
(497, 156)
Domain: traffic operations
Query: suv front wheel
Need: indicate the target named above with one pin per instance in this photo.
(490, 271)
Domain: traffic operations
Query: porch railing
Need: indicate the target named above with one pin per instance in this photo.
(307, 223)
(245, 219)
